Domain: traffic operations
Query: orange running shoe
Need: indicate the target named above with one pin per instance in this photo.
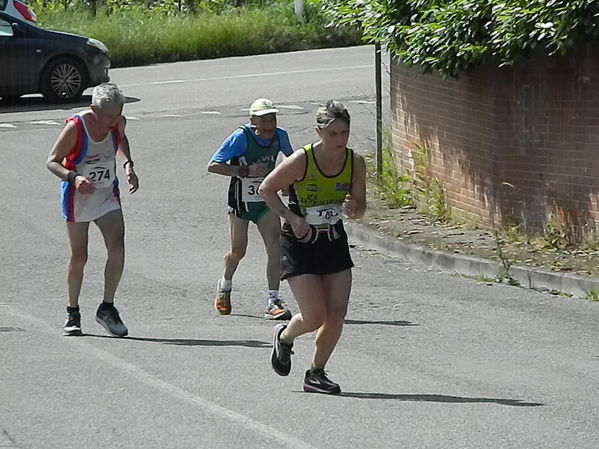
(222, 303)
(276, 311)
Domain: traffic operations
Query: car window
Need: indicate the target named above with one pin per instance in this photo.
(5, 28)
(3, 4)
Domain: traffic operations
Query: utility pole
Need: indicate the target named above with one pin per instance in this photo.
(379, 110)
(299, 10)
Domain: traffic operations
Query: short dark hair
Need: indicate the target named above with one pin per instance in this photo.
(331, 111)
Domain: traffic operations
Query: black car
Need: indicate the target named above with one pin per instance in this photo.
(58, 65)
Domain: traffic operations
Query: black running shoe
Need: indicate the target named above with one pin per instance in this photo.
(111, 321)
(318, 382)
(72, 325)
(280, 357)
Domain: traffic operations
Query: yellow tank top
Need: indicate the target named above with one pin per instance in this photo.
(318, 197)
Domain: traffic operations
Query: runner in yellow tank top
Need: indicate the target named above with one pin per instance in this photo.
(328, 180)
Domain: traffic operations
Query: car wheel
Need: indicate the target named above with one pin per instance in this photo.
(63, 80)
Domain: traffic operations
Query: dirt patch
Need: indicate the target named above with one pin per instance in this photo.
(418, 229)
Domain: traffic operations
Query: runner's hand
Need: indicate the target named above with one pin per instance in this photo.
(84, 185)
(133, 181)
(258, 170)
(299, 226)
(349, 206)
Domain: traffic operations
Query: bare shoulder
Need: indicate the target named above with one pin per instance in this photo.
(359, 162)
(299, 154)
(296, 161)
(122, 122)
(358, 157)
(291, 168)
(65, 143)
(69, 132)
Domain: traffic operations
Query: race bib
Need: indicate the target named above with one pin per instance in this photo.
(249, 190)
(327, 214)
(101, 175)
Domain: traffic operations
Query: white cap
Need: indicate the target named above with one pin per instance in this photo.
(262, 106)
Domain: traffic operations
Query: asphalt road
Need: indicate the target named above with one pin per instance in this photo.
(427, 360)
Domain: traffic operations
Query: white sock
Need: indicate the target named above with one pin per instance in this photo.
(273, 295)
(224, 284)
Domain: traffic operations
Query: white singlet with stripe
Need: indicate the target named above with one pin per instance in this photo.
(96, 161)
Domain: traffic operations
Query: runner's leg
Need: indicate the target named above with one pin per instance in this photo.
(238, 230)
(310, 296)
(112, 228)
(269, 226)
(337, 288)
(78, 237)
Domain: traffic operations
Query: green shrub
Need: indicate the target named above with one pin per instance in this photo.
(451, 36)
(389, 185)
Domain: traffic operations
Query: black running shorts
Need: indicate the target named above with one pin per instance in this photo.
(323, 256)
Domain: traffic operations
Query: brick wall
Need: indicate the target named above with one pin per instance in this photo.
(508, 145)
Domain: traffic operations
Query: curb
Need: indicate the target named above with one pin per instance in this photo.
(533, 278)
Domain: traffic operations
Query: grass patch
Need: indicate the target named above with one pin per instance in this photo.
(393, 188)
(592, 296)
(136, 35)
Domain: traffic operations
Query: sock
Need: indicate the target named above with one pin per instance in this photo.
(273, 295)
(106, 306)
(225, 284)
(314, 367)
(72, 309)
(284, 340)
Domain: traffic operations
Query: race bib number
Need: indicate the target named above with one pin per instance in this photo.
(249, 190)
(327, 214)
(101, 175)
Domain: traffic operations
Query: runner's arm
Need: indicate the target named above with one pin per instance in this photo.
(355, 201)
(285, 174)
(124, 152)
(234, 146)
(62, 148)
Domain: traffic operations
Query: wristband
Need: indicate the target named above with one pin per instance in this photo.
(244, 171)
(128, 162)
(71, 176)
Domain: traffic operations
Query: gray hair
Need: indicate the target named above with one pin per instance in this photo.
(107, 94)
(331, 111)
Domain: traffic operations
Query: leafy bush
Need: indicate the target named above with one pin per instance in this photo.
(451, 36)
(389, 185)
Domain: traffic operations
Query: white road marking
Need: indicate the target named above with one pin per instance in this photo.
(44, 122)
(254, 75)
(211, 112)
(289, 106)
(168, 82)
(269, 432)
(131, 118)
(7, 125)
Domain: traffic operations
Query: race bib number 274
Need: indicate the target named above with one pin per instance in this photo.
(102, 176)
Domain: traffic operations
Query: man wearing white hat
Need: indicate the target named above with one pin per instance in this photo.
(247, 156)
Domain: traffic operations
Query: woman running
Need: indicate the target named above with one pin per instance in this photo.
(328, 180)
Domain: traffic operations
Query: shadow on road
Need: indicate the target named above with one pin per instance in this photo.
(191, 342)
(385, 323)
(440, 398)
(38, 103)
